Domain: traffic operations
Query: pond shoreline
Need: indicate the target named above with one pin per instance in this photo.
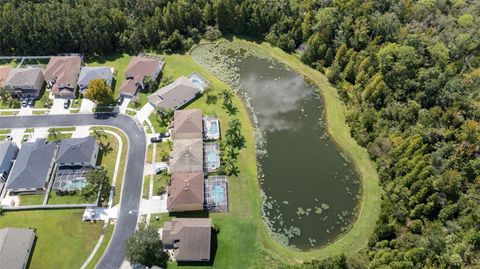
(355, 238)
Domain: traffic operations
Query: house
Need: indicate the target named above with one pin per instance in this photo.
(187, 156)
(33, 166)
(61, 75)
(8, 153)
(96, 72)
(175, 95)
(4, 71)
(189, 238)
(15, 247)
(187, 124)
(25, 82)
(185, 192)
(78, 152)
(137, 70)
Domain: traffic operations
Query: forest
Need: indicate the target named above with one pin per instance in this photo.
(408, 72)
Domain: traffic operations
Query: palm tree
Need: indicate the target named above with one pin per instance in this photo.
(227, 96)
(53, 132)
(99, 134)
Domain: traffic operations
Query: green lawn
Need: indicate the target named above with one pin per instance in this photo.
(146, 186)
(43, 100)
(162, 218)
(59, 136)
(119, 62)
(156, 124)
(163, 151)
(54, 199)
(31, 199)
(5, 131)
(103, 246)
(159, 181)
(63, 239)
(108, 158)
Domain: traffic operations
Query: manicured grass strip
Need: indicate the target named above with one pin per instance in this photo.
(146, 186)
(103, 246)
(162, 218)
(63, 129)
(163, 151)
(63, 239)
(31, 199)
(5, 131)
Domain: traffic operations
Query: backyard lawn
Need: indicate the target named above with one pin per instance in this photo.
(31, 199)
(119, 62)
(63, 239)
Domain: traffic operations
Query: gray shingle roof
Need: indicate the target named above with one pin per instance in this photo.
(33, 164)
(193, 235)
(8, 152)
(96, 72)
(187, 155)
(25, 78)
(15, 247)
(175, 94)
(187, 124)
(76, 150)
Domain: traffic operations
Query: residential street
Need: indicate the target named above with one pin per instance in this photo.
(131, 191)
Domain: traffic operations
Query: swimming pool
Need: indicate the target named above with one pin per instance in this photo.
(75, 184)
(212, 156)
(211, 128)
(198, 81)
(218, 194)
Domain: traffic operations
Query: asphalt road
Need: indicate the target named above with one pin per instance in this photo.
(132, 185)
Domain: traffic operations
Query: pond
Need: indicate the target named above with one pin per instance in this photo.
(310, 188)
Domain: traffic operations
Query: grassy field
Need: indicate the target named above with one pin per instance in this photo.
(63, 239)
(55, 199)
(109, 158)
(103, 246)
(31, 199)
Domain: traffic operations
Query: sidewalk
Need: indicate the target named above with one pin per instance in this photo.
(145, 112)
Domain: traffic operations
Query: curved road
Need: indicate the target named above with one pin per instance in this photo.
(132, 184)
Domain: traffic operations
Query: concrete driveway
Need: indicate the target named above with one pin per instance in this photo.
(145, 112)
(124, 105)
(57, 107)
(87, 106)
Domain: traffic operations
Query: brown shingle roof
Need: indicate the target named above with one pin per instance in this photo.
(4, 71)
(136, 71)
(189, 237)
(187, 155)
(62, 74)
(186, 192)
(187, 124)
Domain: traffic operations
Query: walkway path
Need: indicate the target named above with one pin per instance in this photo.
(145, 112)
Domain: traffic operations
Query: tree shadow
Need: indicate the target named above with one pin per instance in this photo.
(190, 214)
(213, 252)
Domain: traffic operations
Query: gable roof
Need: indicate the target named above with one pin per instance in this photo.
(174, 94)
(22, 77)
(185, 189)
(15, 247)
(137, 70)
(76, 150)
(96, 72)
(32, 166)
(4, 71)
(193, 235)
(187, 155)
(62, 72)
(8, 151)
(187, 123)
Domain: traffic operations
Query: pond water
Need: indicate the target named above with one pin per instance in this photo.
(311, 189)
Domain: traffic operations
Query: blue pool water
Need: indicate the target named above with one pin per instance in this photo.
(213, 130)
(75, 184)
(217, 194)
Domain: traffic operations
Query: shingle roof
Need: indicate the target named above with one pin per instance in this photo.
(175, 94)
(137, 70)
(96, 72)
(4, 71)
(76, 150)
(32, 165)
(15, 247)
(187, 155)
(193, 235)
(21, 77)
(8, 151)
(186, 189)
(63, 71)
(187, 124)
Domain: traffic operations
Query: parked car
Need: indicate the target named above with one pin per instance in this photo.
(30, 102)
(155, 139)
(9, 137)
(24, 102)
(120, 100)
(164, 135)
(66, 105)
(162, 167)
